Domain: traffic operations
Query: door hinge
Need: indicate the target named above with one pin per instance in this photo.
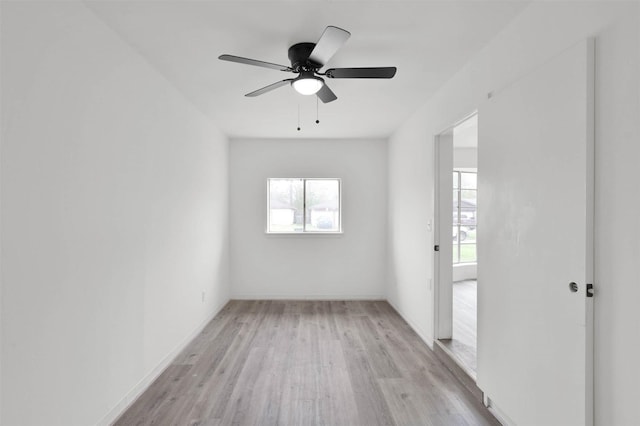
(589, 290)
(436, 248)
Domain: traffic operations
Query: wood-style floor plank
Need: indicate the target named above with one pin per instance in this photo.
(306, 363)
(463, 344)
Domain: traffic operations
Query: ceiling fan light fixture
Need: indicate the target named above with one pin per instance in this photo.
(306, 61)
(307, 84)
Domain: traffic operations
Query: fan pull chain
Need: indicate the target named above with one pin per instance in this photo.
(298, 116)
(317, 120)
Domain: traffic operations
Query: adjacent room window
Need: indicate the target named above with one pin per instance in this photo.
(465, 198)
(299, 205)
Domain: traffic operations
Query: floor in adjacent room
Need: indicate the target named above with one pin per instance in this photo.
(307, 363)
(463, 344)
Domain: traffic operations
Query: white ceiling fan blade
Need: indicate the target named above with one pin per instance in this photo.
(330, 41)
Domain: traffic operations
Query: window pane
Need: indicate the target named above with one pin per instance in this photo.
(468, 207)
(323, 205)
(455, 206)
(470, 196)
(465, 211)
(468, 253)
(464, 234)
(468, 180)
(455, 179)
(467, 234)
(285, 205)
(455, 253)
(455, 234)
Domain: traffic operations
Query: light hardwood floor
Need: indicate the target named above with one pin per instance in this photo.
(463, 344)
(306, 363)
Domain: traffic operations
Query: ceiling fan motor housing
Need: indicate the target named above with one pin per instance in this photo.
(299, 56)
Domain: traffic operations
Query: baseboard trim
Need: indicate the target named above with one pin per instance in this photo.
(146, 381)
(307, 297)
(422, 334)
(497, 412)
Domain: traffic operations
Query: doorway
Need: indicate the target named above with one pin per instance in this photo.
(456, 275)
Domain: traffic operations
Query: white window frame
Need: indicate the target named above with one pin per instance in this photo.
(304, 208)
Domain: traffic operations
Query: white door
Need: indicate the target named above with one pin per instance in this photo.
(536, 228)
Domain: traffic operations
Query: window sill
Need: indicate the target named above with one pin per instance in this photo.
(308, 233)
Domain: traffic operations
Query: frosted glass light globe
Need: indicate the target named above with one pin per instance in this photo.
(307, 85)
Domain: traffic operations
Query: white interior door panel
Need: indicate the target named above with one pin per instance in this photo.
(535, 238)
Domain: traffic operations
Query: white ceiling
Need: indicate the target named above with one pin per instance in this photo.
(428, 42)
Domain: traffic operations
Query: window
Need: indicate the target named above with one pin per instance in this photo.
(465, 198)
(297, 205)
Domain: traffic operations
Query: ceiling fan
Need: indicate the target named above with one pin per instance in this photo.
(306, 61)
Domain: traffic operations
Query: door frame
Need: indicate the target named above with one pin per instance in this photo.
(443, 222)
(442, 258)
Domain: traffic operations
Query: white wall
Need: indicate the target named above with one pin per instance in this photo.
(542, 30)
(114, 217)
(465, 271)
(465, 158)
(350, 265)
(411, 207)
